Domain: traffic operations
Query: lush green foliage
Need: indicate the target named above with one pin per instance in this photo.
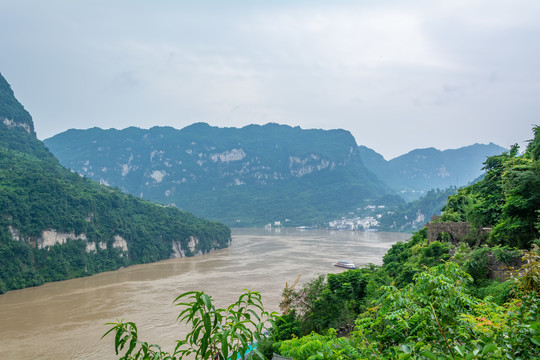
(335, 300)
(435, 317)
(284, 327)
(318, 347)
(216, 333)
(415, 312)
(406, 259)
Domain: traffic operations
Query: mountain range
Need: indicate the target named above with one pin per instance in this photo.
(258, 174)
(243, 177)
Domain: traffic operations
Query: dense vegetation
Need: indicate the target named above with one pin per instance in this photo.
(37, 194)
(477, 299)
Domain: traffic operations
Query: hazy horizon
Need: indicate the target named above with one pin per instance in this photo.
(398, 75)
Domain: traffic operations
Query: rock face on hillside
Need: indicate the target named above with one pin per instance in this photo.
(248, 176)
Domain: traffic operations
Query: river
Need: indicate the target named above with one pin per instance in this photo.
(66, 319)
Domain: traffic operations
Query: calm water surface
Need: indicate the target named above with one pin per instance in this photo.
(65, 320)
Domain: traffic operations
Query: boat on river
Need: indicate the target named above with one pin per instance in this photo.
(345, 264)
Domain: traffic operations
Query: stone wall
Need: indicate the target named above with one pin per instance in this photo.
(455, 229)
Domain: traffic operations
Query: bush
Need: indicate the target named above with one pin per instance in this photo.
(498, 292)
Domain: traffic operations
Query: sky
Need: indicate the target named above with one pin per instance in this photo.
(399, 75)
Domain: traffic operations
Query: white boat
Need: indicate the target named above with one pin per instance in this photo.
(345, 264)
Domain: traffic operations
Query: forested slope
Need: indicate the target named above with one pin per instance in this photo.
(55, 224)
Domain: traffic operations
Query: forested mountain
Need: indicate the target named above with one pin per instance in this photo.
(420, 170)
(243, 177)
(260, 174)
(55, 224)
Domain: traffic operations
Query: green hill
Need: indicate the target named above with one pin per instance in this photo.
(55, 224)
(241, 176)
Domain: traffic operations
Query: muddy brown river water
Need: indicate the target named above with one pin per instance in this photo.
(65, 320)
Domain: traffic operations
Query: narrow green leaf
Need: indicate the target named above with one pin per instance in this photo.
(207, 301)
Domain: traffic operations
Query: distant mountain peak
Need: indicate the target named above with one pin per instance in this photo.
(414, 173)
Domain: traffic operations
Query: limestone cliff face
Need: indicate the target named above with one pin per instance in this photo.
(120, 243)
(12, 124)
(51, 237)
(164, 159)
(92, 248)
(192, 245)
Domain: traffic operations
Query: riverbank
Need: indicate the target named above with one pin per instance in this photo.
(65, 320)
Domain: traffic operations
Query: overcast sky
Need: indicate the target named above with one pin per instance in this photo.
(398, 75)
